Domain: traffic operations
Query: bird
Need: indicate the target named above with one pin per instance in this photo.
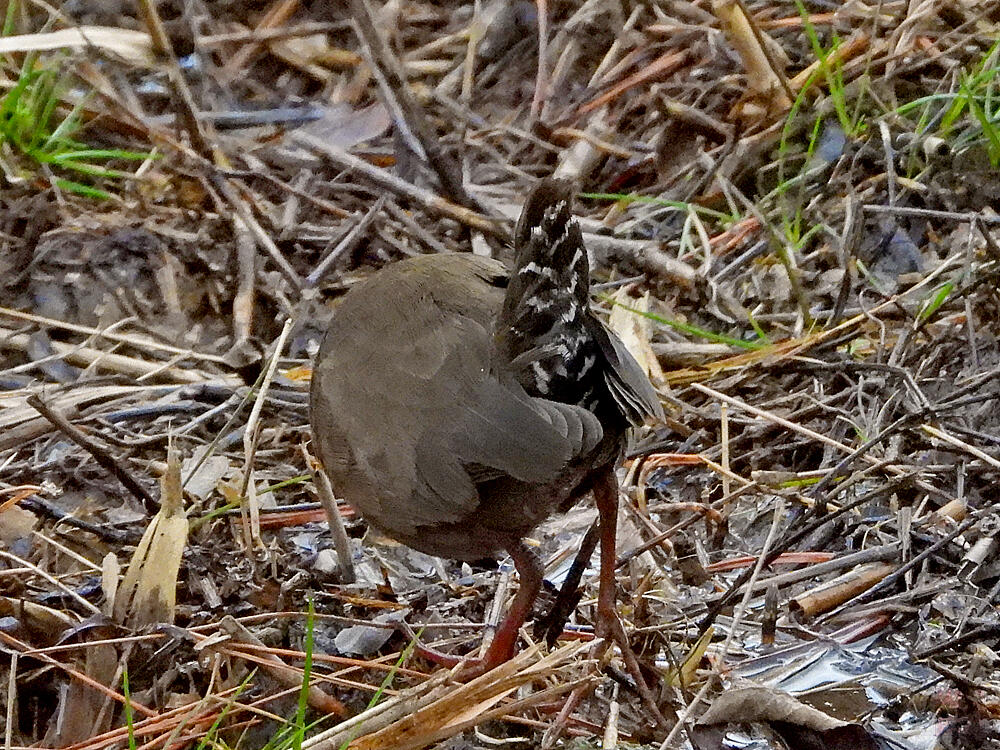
(457, 403)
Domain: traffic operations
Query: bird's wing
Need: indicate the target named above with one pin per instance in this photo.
(487, 428)
(413, 415)
(628, 384)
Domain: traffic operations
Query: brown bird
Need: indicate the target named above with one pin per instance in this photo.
(457, 404)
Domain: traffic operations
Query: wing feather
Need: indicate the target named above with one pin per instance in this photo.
(435, 421)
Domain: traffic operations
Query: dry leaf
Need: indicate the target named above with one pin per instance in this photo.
(133, 46)
(148, 593)
(800, 725)
(633, 329)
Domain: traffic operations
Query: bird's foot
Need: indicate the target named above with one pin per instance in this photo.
(609, 629)
(468, 667)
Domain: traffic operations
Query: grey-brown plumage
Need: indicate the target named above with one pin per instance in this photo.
(456, 406)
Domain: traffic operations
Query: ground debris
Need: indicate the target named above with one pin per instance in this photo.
(799, 202)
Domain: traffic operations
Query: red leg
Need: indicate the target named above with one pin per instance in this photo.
(529, 570)
(608, 625)
(606, 498)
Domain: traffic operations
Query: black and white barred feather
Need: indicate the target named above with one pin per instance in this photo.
(543, 330)
(546, 335)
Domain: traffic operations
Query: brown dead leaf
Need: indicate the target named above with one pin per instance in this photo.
(801, 726)
(148, 592)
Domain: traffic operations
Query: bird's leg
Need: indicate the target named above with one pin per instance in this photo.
(606, 499)
(608, 625)
(554, 622)
(529, 570)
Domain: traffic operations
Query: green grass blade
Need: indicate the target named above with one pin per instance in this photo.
(677, 205)
(936, 301)
(129, 722)
(78, 188)
(988, 126)
(10, 17)
(386, 682)
(209, 739)
(102, 153)
(300, 714)
(687, 327)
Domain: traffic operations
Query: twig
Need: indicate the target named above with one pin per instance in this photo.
(892, 579)
(765, 552)
(249, 443)
(99, 453)
(68, 592)
(387, 181)
(15, 644)
(243, 300)
(273, 20)
(105, 333)
(178, 85)
(244, 214)
(411, 115)
(347, 244)
(961, 444)
(85, 356)
(542, 72)
(341, 542)
(282, 672)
